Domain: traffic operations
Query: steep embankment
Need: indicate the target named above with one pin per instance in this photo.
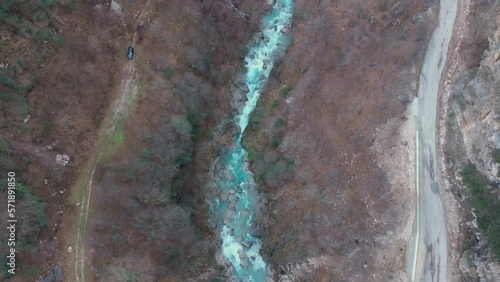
(473, 140)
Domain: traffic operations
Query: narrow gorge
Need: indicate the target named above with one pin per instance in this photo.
(238, 199)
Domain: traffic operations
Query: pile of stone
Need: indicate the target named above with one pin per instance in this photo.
(62, 159)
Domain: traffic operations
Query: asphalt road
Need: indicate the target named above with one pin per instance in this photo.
(428, 249)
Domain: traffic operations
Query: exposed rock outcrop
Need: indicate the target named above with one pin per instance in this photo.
(476, 102)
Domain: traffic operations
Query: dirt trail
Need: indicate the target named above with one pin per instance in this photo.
(126, 94)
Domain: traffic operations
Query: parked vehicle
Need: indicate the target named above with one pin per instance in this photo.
(130, 52)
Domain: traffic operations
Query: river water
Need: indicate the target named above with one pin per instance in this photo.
(238, 200)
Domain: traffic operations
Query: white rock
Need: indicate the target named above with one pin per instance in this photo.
(62, 159)
(116, 7)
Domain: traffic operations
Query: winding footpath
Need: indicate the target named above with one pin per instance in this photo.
(427, 258)
(238, 201)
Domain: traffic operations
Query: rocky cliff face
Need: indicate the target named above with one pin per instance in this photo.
(476, 102)
(473, 135)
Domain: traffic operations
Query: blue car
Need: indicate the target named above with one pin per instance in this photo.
(130, 52)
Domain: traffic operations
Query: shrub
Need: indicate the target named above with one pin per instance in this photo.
(275, 141)
(274, 104)
(486, 204)
(4, 146)
(70, 6)
(185, 158)
(16, 68)
(5, 267)
(196, 132)
(22, 108)
(22, 190)
(300, 16)
(202, 64)
(6, 96)
(47, 3)
(5, 5)
(43, 35)
(7, 80)
(285, 90)
(40, 16)
(35, 205)
(32, 273)
(3, 16)
(301, 253)
(40, 211)
(495, 154)
(255, 118)
(279, 123)
(24, 27)
(182, 125)
(58, 39)
(251, 156)
(116, 237)
(167, 72)
(130, 276)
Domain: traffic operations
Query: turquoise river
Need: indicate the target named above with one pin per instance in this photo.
(239, 204)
